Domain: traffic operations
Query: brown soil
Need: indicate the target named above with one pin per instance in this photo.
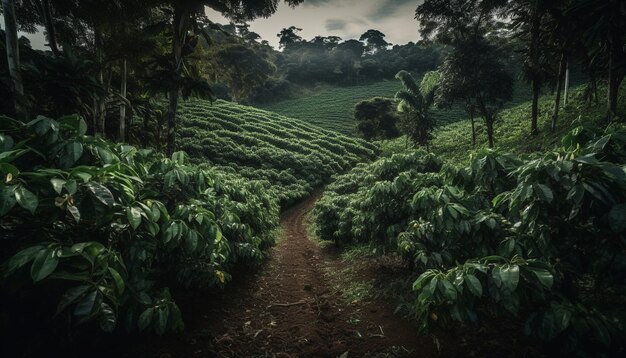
(292, 309)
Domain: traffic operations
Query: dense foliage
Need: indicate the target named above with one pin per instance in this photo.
(293, 156)
(525, 237)
(102, 230)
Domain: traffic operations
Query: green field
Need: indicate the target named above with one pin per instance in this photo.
(334, 108)
(294, 156)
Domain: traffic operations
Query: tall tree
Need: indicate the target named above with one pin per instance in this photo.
(186, 18)
(376, 119)
(602, 26)
(13, 54)
(288, 37)
(473, 72)
(414, 103)
(375, 40)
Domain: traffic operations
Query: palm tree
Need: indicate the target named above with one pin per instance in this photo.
(414, 102)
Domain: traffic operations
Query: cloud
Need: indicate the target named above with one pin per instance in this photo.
(335, 24)
(388, 8)
(314, 3)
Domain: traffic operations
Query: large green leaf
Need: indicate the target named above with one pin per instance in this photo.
(85, 306)
(473, 284)
(71, 296)
(7, 199)
(45, 263)
(134, 217)
(108, 319)
(145, 319)
(161, 322)
(510, 277)
(447, 289)
(26, 199)
(102, 193)
(70, 154)
(57, 184)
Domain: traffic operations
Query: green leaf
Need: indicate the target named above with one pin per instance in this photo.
(108, 320)
(86, 305)
(6, 143)
(617, 218)
(161, 323)
(57, 185)
(510, 276)
(544, 276)
(145, 319)
(74, 212)
(71, 296)
(23, 257)
(473, 284)
(45, 263)
(447, 289)
(117, 280)
(101, 193)
(70, 154)
(191, 240)
(544, 192)
(134, 217)
(7, 199)
(26, 199)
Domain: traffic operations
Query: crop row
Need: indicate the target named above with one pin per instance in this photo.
(293, 156)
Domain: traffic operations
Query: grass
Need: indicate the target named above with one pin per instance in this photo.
(333, 108)
(452, 142)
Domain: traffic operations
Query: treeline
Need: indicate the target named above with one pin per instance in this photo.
(113, 61)
(264, 74)
(490, 43)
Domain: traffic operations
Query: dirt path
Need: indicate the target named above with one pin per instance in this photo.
(290, 309)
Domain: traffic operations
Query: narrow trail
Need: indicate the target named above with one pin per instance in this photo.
(291, 309)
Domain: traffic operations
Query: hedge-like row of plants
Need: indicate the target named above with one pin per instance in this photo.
(293, 156)
(103, 230)
(542, 239)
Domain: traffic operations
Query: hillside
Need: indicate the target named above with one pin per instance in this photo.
(453, 142)
(334, 108)
(294, 156)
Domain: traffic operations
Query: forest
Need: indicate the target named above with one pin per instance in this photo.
(312, 178)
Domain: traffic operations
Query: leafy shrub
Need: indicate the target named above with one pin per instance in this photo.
(292, 156)
(504, 236)
(105, 229)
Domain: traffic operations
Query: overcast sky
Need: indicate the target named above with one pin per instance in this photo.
(347, 19)
(344, 18)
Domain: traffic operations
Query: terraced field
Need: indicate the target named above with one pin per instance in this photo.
(293, 156)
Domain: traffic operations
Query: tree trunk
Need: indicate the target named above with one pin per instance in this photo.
(99, 106)
(536, 83)
(13, 56)
(124, 73)
(171, 121)
(180, 23)
(489, 123)
(46, 14)
(473, 128)
(559, 84)
(566, 88)
(615, 79)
